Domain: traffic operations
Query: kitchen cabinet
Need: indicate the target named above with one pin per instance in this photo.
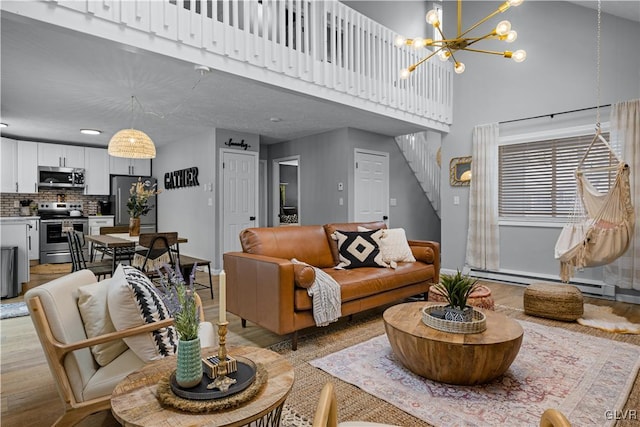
(125, 166)
(69, 156)
(14, 233)
(19, 161)
(95, 222)
(96, 176)
(33, 235)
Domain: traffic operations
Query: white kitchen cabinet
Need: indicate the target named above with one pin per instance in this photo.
(33, 234)
(125, 166)
(14, 233)
(19, 161)
(96, 175)
(95, 222)
(69, 156)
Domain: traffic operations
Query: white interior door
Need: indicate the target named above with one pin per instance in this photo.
(239, 198)
(371, 190)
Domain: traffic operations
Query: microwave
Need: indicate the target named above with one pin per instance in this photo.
(57, 177)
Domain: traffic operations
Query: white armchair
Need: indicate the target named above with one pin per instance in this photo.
(84, 386)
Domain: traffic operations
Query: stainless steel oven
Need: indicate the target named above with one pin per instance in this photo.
(55, 219)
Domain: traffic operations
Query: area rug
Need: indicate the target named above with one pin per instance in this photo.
(14, 309)
(602, 317)
(357, 404)
(581, 376)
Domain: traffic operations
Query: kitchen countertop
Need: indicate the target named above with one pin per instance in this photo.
(100, 216)
(17, 218)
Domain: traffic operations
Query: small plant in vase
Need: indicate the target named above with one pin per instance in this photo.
(181, 303)
(456, 289)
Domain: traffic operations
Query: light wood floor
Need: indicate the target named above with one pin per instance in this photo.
(28, 393)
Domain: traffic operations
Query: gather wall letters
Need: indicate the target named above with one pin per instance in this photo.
(181, 178)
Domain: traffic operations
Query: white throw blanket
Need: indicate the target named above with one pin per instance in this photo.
(325, 293)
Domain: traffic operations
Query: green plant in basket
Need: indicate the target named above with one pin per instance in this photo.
(456, 289)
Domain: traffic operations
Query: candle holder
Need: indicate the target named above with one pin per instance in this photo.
(223, 365)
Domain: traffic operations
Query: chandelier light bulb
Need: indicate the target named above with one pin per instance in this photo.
(515, 3)
(459, 68)
(519, 55)
(503, 28)
(433, 18)
(404, 74)
(511, 36)
(400, 41)
(444, 55)
(418, 43)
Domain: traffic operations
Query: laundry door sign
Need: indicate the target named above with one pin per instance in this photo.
(181, 178)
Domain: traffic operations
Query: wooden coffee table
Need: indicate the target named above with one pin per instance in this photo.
(134, 401)
(465, 359)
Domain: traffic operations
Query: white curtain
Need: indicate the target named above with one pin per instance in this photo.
(483, 234)
(625, 135)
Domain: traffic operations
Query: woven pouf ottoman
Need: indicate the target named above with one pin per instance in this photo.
(480, 297)
(553, 301)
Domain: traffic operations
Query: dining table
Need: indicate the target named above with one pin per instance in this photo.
(118, 243)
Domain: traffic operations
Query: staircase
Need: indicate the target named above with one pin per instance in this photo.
(421, 152)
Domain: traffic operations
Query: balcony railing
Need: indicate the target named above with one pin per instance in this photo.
(321, 42)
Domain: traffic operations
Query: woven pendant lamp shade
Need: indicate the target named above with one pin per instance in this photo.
(133, 144)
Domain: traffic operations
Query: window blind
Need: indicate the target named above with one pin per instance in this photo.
(536, 179)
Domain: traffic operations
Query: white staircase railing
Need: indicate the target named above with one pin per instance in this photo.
(421, 153)
(321, 48)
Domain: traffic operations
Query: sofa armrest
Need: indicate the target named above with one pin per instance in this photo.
(261, 289)
(427, 251)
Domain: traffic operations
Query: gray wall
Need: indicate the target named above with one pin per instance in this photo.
(327, 159)
(558, 75)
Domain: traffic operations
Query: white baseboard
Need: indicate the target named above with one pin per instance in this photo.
(586, 286)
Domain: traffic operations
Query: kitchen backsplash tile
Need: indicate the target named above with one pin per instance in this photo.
(7, 200)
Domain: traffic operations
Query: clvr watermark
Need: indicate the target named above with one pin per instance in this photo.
(627, 414)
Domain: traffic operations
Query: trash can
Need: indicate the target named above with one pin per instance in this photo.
(9, 272)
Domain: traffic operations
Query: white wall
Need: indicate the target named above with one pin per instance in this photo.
(558, 75)
(186, 210)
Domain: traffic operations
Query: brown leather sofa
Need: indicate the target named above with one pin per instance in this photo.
(266, 288)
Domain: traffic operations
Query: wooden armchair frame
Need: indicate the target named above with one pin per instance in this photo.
(55, 352)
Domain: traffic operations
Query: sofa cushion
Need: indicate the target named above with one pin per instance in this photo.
(394, 246)
(107, 378)
(307, 243)
(92, 303)
(359, 249)
(134, 301)
(329, 229)
(363, 282)
(304, 275)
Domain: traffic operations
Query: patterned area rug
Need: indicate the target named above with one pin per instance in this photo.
(14, 309)
(555, 368)
(355, 403)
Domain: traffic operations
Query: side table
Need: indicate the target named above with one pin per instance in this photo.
(134, 401)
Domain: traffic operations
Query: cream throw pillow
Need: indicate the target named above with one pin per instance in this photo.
(394, 246)
(92, 303)
(134, 301)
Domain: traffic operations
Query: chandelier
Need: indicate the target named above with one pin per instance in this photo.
(446, 48)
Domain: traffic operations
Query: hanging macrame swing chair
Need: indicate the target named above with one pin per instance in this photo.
(601, 227)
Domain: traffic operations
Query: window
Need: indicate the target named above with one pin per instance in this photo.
(536, 179)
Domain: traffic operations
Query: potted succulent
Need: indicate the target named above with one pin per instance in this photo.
(456, 288)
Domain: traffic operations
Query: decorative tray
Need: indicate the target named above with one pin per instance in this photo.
(244, 376)
(477, 325)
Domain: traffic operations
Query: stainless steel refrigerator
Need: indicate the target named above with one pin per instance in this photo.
(120, 192)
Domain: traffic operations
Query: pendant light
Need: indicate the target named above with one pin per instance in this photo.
(131, 143)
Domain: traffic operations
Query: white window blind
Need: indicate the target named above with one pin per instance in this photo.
(536, 179)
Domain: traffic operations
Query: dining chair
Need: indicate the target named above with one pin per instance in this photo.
(78, 262)
(157, 249)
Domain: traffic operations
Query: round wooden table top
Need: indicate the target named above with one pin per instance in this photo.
(134, 401)
(449, 357)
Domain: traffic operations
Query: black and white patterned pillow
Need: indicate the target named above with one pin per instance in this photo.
(134, 301)
(359, 249)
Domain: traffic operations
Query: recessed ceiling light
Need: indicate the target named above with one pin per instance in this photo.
(90, 131)
(3, 125)
(275, 119)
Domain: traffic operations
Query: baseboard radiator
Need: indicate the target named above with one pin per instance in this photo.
(586, 286)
